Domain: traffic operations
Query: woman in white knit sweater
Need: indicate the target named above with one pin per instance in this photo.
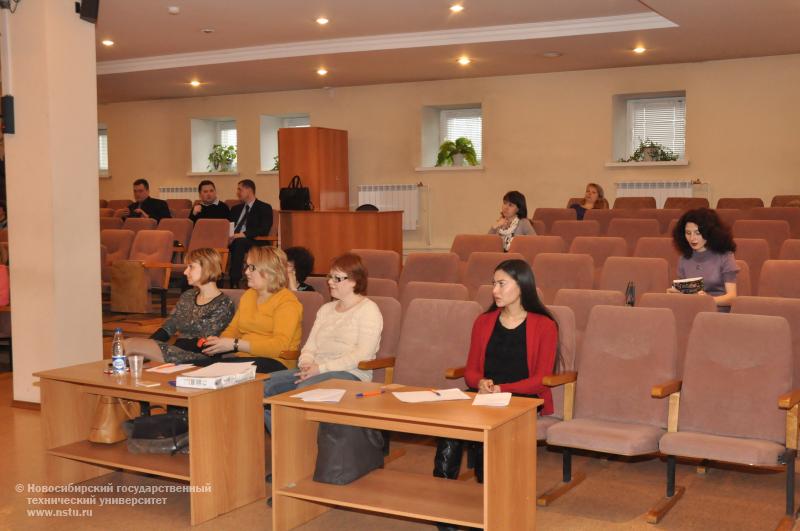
(346, 331)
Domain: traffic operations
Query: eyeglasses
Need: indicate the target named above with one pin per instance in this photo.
(249, 267)
(337, 278)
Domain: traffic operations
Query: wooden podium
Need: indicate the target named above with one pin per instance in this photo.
(319, 156)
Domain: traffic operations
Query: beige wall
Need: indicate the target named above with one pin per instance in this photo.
(742, 136)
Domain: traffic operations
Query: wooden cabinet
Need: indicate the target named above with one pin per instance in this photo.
(319, 156)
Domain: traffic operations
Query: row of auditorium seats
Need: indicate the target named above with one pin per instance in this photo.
(179, 208)
(686, 203)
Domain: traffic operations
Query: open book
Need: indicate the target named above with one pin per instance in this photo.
(688, 285)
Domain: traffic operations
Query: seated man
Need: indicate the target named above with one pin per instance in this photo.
(146, 206)
(209, 206)
(250, 219)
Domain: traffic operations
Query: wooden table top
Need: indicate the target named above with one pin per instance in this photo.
(456, 413)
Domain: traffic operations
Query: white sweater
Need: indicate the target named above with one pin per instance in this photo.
(340, 340)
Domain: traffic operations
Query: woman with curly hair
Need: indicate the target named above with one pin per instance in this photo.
(706, 246)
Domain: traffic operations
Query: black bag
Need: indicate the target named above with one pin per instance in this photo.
(345, 453)
(159, 434)
(295, 196)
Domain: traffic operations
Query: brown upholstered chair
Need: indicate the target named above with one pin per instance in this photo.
(739, 202)
(634, 202)
(649, 275)
(783, 200)
(744, 284)
(632, 230)
(381, 366)
(556, 271)
(549, 215)
(625, 352)
(110, 223)
(581, 301)
(574, 201)
(103, 203)
(567, 348)
(181, 213)
(569, 230)
(311, 301)
(754, 251)
(648, 247)
(120, 213)
(118, 244)
(465, 244)
(789, 214)
(147, 269)
(686, 203)
(320, 285)
(106, 212)
(780, 278)
(530, 246)
(685, 308)
(790, 250)
(232, 202)
(235, 295)
(737, 377)
(206, 233)
(604, 216)
(538, 226)
(430, 267)
(380, 263)
(382, 287)
(181, 229)
(118, 204)
(432, 290)
(774, 231)
(599, 248)
(137, 224)
(480, 268)
(179, 204)
(729, 216)
(662, 215)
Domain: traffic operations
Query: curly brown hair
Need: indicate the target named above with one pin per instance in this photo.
(718, 235)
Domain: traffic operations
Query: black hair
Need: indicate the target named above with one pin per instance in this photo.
(205, 183)
(518, 200)
(248, 183)
(143, 182)
(303, 261)
(718, 236)
(521, 272)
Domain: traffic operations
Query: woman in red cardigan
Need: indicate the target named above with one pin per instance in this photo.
(514, 345)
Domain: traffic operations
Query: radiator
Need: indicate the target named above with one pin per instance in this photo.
(403, 197)
(660, 190)
(177, 192)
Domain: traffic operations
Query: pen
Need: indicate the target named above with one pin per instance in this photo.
(437, 393)
(369, 393)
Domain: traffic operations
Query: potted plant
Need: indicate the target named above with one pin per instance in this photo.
(650, 151)
(457, 153)
(221, 158)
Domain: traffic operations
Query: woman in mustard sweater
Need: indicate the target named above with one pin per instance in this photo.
(269, 318)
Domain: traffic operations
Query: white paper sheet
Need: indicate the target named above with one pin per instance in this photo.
(220, 369)
(169, 368)
(492, 399)
(438, 395)
(321, 395)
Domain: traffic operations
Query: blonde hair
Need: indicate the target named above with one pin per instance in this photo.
(270, 262)
(210, 263)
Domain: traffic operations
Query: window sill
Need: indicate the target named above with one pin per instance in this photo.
(424, 169)
(267, 172)
(104, 175)
(212, 173)
(648, 164)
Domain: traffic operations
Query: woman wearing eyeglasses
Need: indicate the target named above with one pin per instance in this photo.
(269, 318)
(346, 331)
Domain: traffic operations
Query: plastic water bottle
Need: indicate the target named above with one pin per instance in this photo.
(117, 353)
(630, 294)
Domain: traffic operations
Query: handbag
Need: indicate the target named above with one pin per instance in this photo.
(159, 434)
(345, 453)
(109, 415)
(295, 196)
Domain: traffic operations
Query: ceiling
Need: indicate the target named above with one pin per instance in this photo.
(270, 45)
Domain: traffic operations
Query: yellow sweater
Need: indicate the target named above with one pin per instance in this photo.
(270, 327)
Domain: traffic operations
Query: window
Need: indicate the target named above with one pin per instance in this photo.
(226, 133)
(450, 122)
(102, 143)
(208, 132)
(662, 120)
(269, 135)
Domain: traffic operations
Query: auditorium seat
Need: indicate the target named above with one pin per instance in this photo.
(754, 251)
(110, 223)
(569, 230)
(138, 224)
(382, 287)
(566, 343)
(380, 263)
(480, 269)
(147, 269)
(181, 229)
(737, 368)
(538, 226)
(118, 204)
(662, 215)
(779, 278)
(685, 308)
(320, 285)
(235, 295)
(232, 202)
(790, 250)
(789, 214)
(103, 203)
(181, 213)
(783, 200)
(774, 231)
(466, 244)
(686, 203)
(634, 202)
(549, 215)
(432, 290)
(210, 233)
(604, 216)
(632, 230)
(729, 216)
(581, 301)
(557, 271)
(744, 282)
(118, 244)
(739, 202)
(625, 352)
(179, 204)
(574, 201)
(106, 212)
(120, 213)
(390, 337)
(599, 248)
(649, 275)
(311, 301)
(430, 267)
(648, 247)
(530, 246)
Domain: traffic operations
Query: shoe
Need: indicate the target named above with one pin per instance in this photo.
(268, 478)
(446, 527)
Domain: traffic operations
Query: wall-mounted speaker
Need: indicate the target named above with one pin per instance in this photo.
(88, 9)
(7, 111)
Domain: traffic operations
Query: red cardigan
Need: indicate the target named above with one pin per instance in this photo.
(541, 336)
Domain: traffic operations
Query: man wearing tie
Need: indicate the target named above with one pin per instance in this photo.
(209, 207)
(250, 218)
(146, 206)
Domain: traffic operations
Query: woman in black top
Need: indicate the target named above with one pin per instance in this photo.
(594, 198)
(300, 264)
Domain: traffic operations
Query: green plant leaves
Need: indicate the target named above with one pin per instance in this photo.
(462, 146)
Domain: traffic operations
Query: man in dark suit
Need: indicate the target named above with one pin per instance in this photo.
(251, 218)
(146, 206)
(209, 207)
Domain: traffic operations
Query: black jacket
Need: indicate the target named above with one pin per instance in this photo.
(155, 208)
(218, 211)
(259, 219)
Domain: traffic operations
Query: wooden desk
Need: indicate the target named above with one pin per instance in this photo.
(506, 500)
(226, 435)
(329, 233)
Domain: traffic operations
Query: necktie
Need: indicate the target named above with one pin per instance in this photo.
(243, 220)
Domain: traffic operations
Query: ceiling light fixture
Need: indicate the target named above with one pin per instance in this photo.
(322, 21)
(107, 42)
(194, 83)
(173, 10)
(456, 8)
(322, 71)
(207, 30)
(464, 60)
(551, 55)
(639, 49)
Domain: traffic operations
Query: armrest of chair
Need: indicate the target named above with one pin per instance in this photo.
(554, 380)
(454, 373)
(224, 253)
(791, 403)
(166, 266)
(266, 239)
(289, 355)
(789, 400)
(378, 363)
(665, 389)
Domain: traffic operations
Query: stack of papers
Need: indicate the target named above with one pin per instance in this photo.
(168, 368)
(321, 395)
(438, 395)
(492, 399)
(217, 375)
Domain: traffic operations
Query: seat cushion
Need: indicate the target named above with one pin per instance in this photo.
(543, 424)
(719, 448)
(605, 436)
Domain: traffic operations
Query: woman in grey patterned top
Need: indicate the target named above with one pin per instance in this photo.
(200, 312)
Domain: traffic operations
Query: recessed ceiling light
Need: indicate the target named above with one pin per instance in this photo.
(207, 30)
(107, 42)
(639, 49)
(322, 21)
(194, 83)
(456, 8)
(552, 54)
(322, 71)
(173, 10)
(464, 60)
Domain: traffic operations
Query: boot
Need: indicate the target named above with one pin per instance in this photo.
(447, 462)
(479, 462)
